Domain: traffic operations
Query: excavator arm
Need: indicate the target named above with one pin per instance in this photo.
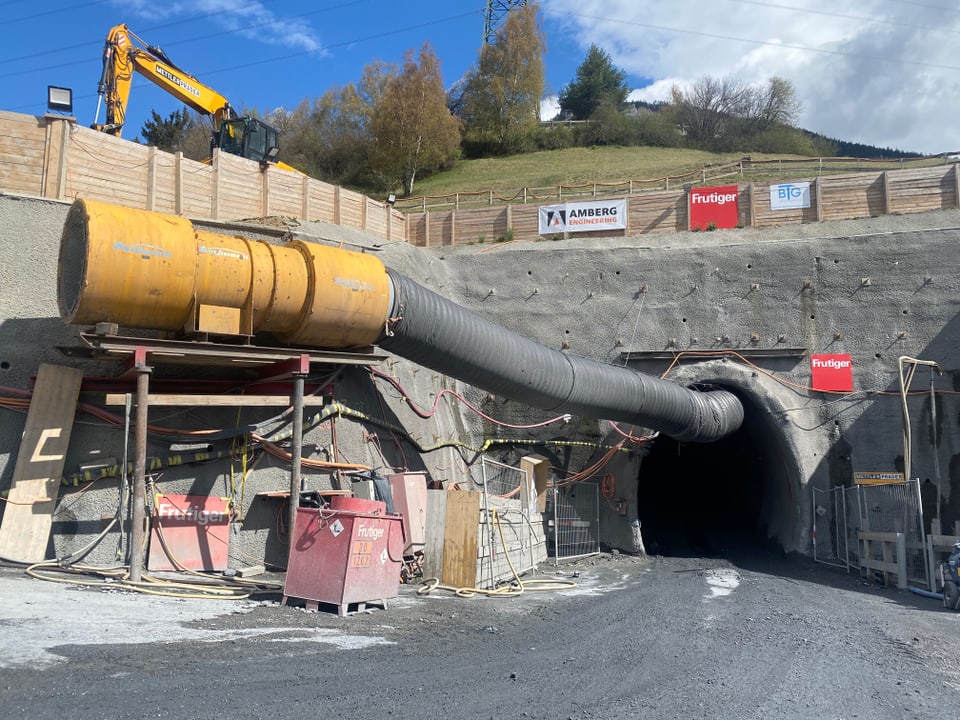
(124, 53)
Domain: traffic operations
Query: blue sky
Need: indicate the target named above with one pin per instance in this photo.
(261, 54)
(881, 72)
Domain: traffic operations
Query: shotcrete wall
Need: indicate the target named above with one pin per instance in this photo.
(875, 289)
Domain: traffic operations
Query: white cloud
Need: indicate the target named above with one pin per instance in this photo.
(250, 20)
(549, 107)
(867, 71)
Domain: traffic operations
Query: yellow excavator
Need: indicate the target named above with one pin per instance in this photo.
(124, 53)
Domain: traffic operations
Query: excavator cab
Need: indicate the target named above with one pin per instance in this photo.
(250, 138)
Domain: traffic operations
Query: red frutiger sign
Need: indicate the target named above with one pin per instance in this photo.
(831, 372)
(192, 531)
(714, 207)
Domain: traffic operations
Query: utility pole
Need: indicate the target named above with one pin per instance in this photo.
(493, 17)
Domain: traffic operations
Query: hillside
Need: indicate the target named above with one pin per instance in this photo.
(571, 166)
(540, 173)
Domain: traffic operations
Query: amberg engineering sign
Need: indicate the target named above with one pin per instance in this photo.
(583, 217)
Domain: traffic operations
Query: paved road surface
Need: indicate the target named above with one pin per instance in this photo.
(762, 637)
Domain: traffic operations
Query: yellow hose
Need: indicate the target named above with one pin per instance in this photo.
(517, 587)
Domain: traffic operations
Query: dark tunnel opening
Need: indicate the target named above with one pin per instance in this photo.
(714, 499)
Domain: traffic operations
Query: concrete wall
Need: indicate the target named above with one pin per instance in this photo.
(801, 286)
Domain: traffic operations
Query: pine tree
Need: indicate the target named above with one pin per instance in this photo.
(597, 82)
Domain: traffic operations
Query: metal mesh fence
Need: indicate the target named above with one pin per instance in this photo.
(576, 520)
(895, 507)
(511, 539)
(829, 527)
(841, 513)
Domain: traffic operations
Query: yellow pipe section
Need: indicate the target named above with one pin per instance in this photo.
(141, 269)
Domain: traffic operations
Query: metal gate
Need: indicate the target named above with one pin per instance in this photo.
(576, 520)
(831, 538)
(841, 513)
(507, 537)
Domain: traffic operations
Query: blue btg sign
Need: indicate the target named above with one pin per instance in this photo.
(790, 196)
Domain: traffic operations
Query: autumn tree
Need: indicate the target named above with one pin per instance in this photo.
(705, 110)
(774, 103)
(722, 113)
(500, 99)
(412, 130)
(597, 82)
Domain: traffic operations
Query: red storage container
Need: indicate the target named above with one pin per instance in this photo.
(349, 553)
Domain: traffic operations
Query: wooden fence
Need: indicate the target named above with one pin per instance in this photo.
(722, 173)
(833, 197)
(53, 157)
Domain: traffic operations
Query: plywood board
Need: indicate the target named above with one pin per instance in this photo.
(433, 534)
(28, 515)
(460, 539)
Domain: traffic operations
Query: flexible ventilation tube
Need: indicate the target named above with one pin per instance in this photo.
(143, 269)
(436, 333)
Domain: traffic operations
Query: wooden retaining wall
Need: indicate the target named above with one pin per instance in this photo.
(833, 197)
(53, 157)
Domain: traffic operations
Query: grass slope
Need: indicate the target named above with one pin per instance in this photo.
(572, 166)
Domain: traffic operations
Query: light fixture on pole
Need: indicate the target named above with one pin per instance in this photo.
(270, 158)
(59, 99)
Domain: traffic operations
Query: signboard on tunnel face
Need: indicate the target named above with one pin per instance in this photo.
(832, 373)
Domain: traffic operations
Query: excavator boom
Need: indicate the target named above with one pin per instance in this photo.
(124, 53)
(122, 56)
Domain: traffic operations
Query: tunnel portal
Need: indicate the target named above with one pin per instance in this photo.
(721, 498)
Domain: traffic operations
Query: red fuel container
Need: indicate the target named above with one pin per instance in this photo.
(348, 553)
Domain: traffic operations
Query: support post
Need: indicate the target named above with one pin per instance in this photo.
(296, 455)
(138, 509)
(956, 184)
(178, 203)
(305, 198)
(265, 177)
(901, 545)
(215, 180)
(818, 190)
(151, 177)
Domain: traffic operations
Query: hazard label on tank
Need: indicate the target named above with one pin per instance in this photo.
(360, 554)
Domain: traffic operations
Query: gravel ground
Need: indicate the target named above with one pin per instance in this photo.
(761, 636)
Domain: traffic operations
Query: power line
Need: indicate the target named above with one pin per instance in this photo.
(287, 56)
(46, 13)
(827, 13)
(750, 41)
(54, 51)
(205, 36)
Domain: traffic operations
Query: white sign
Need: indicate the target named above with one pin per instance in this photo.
(583, 216)
(790, 196)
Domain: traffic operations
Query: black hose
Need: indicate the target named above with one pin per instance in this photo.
(434, 332)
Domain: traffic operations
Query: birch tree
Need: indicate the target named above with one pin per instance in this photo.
(412, 129)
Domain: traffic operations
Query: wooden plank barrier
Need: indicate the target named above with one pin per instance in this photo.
(462, 517)
(893, 552)
(28, 515)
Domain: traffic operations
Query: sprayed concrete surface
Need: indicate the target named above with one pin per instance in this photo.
(875, 289)
(678, 635)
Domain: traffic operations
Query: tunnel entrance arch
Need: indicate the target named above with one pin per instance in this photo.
(740, 493)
